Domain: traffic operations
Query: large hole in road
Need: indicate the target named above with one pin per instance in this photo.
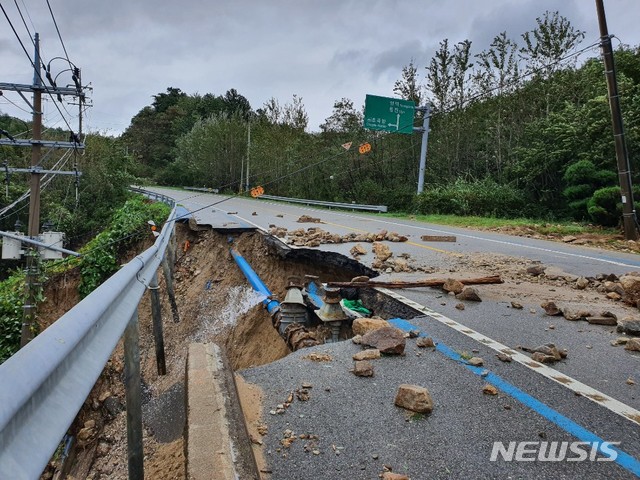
(218, 303)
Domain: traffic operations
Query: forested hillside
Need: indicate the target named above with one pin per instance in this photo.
(522, 128)
(519, 129)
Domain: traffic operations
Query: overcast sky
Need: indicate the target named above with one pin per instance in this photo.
(320, 50)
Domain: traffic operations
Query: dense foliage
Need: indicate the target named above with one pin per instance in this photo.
(517, 129)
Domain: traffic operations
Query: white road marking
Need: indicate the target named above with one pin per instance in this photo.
(572, 384)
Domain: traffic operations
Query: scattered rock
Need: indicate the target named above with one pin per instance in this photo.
(302, 394)
(308, 219)
(542, 358)
(363, 368)
(255, 214)
(358, 250)
(633, 345)
(425, 342)
(318, 357)
(489, 390)
(460, 306)
(582, 283)
(575, 315)
(619, 341)
(381, 251)
(630, 381)
(357, 339)
(535, 270)
(362, 326)
(569, 238)
(611, 321)
(503, 357)
(630, 283)
(470, 294)
(394, 476)
(414, 398)
(370, 354)
(550, 308)
(516, 305)
(414, 333)
(475, 361)
(389, 340)
(629, 325)
(453, 285)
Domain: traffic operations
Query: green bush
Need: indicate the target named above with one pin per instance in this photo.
(605, 206)
(129, 225)
(11, 303)
(481, 198)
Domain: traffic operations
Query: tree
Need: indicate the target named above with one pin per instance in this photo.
(295, 115)
(547, 44)
(408, 86)
(440, 76)
(344, 118)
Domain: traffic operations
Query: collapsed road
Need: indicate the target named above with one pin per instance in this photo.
(320, 414)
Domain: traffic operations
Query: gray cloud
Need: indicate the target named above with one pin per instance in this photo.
(322, 51)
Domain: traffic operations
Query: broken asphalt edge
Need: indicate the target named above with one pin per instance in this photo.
(217, 441)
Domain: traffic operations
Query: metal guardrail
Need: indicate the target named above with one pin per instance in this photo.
(153, 195)
(45, 384)
(351, 206)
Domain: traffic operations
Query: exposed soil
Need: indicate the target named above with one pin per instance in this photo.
(216, 304)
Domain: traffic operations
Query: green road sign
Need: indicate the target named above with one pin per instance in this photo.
(389, 114)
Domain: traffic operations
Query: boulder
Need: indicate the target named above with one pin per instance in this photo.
(470, 294)
(629, 325)
(414, 398)
(389, 340)
(364, 325)
(633, 345)
(453, 285)
(630, 284)
(363, 369)
(381, 251)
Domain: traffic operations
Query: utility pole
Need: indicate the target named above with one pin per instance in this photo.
(248, 148)
(32, 280)
(629, 220)
(37, 88)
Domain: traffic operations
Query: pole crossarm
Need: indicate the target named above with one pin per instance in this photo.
(42, 143)
(40, 170)
(17, 87)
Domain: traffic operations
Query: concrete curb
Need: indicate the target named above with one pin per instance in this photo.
(217, 444)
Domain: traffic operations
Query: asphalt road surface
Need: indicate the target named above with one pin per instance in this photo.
(355, 427)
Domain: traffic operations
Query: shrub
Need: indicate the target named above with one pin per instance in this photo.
(482, 198)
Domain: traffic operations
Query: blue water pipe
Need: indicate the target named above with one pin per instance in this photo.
(271, 305)
(314, 296)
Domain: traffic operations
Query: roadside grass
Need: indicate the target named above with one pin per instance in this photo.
(487, 223)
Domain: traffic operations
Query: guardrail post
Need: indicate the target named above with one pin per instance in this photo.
(167, 269)
(156, 315)
(134, 399)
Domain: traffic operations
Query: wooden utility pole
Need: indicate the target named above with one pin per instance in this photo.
(32, 280)
(624, 171)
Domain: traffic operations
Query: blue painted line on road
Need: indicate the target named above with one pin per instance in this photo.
(623, 459)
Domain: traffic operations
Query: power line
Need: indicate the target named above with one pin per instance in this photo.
(36, 69)
(59, 35)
